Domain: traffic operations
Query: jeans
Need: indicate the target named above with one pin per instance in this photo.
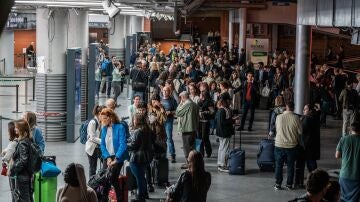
(93, 161)
(117, 89)
(114, 180)
(223, 152)
(108, 83)
(97, 88)
(204, 135)
(21, 190)
(248, 105)
(169, 140)
(282, 154)
(139, 172)
(188, 143)
(300, 166)
(324, 111)
(348, 119)
(349, 190)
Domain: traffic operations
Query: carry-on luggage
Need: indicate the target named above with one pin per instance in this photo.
(123, 187)
(45, 188)
(236, 159)
(265, 156)
(160, 171)
(131, 180)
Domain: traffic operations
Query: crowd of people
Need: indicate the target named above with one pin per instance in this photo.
(203, 90)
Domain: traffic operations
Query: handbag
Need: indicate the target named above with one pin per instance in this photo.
(4, 169)
(49, 169)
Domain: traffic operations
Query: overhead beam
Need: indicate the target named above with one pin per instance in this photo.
(228, 5)
(193, 6)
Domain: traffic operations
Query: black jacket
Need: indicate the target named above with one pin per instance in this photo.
(21, 159)
(311, 136)
(140, 76)
(224, 126)
(140, 146)
(183, 191)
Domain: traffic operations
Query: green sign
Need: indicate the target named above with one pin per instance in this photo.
(259, 53)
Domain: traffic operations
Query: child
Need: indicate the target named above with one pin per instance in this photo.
(8, 152)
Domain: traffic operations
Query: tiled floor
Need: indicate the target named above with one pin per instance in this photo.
(254, 186)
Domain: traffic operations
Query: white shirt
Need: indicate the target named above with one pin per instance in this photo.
(93, 137)
(9, 151)
(109, 141)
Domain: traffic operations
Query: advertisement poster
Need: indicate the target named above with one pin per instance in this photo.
(257, 50)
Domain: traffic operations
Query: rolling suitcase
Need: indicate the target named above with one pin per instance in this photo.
(131, 180)
(265, 156)
(160, 171)
(45, 188)
(123, 186)
(236, 159)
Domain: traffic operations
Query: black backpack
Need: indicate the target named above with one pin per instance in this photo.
(36, 157)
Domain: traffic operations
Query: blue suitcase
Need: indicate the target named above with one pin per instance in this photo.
(265, 156)
(236, 159)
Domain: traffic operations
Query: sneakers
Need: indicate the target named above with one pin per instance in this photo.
(224, 169)
(288, 187)
(277, 187)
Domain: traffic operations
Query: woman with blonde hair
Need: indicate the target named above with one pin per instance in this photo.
(279, 108)
(35, 131)
(113, 147)
(75, 188)
(20, 174)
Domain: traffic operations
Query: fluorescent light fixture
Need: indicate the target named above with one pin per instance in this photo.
(74, 3)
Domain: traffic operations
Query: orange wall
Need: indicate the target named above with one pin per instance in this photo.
(224, 27)
(166, 45)
(273, 14)
(22, 39)
(147, 25)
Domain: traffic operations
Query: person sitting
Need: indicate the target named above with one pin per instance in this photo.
(75, 188)
(316, 187)
(193, 184)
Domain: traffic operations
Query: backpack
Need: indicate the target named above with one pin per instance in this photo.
(98, 182)
(83, 130)
(35, 159)
(126, 126)
(104, 67)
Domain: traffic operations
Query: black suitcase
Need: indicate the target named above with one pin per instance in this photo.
(160, 171)
(265, 156)
(236, 159)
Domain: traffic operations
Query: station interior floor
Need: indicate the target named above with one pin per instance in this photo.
(253, 186)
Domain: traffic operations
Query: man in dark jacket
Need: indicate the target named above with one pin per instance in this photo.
(261, 75)
(139, 77)
(309, 151)
(242, 57)
(250, 93)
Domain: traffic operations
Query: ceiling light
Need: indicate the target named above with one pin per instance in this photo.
(75, 3)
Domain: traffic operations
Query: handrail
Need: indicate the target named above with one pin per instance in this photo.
(3, 60)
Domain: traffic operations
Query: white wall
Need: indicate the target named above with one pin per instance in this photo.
(7, 52)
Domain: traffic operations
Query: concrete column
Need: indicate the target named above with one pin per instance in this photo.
(242, 28)
(139, 24)
(129, 25)
(231, 32)
(7, 52)
(274, 37)
(78, 31)
(302, 67)
(117, 34)
(51, 38)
